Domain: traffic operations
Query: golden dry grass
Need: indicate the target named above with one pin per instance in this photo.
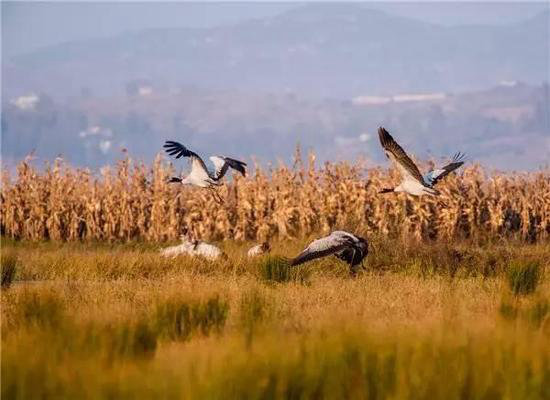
(133, 201)
(117, 321)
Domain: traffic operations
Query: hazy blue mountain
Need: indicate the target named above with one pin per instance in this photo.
(328, 50)
(322, 75)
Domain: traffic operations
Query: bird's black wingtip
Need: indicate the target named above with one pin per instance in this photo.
(459, 157)
(384, 135)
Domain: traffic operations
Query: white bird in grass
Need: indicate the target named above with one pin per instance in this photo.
(259, 249)
(200, 175)
(344, 245)
(412, 180)
(206, 250)
(174, 251)
(193, 248)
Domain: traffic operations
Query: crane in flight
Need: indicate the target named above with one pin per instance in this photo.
(412, 181)
(200, 175)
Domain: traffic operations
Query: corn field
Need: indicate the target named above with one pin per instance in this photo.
(133, 201)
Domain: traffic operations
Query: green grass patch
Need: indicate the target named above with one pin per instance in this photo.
(42, 308)
(9, 267)
(276, 269)
(523, 277)
(254, 310)
(179, 318)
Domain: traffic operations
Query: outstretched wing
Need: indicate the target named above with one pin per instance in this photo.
(178, 150)
(435, 175)
(354, 255)
(398, 156)
(321, 248)
(222, 164)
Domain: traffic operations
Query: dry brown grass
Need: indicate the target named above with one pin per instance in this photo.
(97, 320)
(133, 201)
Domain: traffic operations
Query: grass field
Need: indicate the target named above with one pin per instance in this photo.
(468, 320)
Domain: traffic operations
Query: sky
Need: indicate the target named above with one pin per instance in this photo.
(27, 26)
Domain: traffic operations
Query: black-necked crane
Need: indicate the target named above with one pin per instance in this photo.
(259, 249)
(412, 181)
(347, 247)
(200, 175)
(193, 248)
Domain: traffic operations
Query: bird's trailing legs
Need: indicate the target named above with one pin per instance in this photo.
(352, 269)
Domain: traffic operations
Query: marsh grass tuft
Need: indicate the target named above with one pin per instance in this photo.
(253, 311)
(277, 269)
(508, 310)
(523, 277)
(179, 318)
(39, 308)
(539, 312)
(534, 311)
(129, 339)
(9, 267)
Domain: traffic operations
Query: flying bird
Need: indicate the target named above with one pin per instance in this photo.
(200, 175)
(259, 249)
(412, 181)
(347, 247)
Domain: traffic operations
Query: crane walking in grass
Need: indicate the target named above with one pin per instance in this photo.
(344, 245)
(200, 175)
(412, 180)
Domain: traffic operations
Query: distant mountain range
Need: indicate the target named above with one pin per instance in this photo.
(322, 75)
(320, 50)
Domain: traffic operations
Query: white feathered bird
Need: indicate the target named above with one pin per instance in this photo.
(259, 249)
(412, 180)
(174, 251)
(200, 175)
(195, 248)
(344, 245)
